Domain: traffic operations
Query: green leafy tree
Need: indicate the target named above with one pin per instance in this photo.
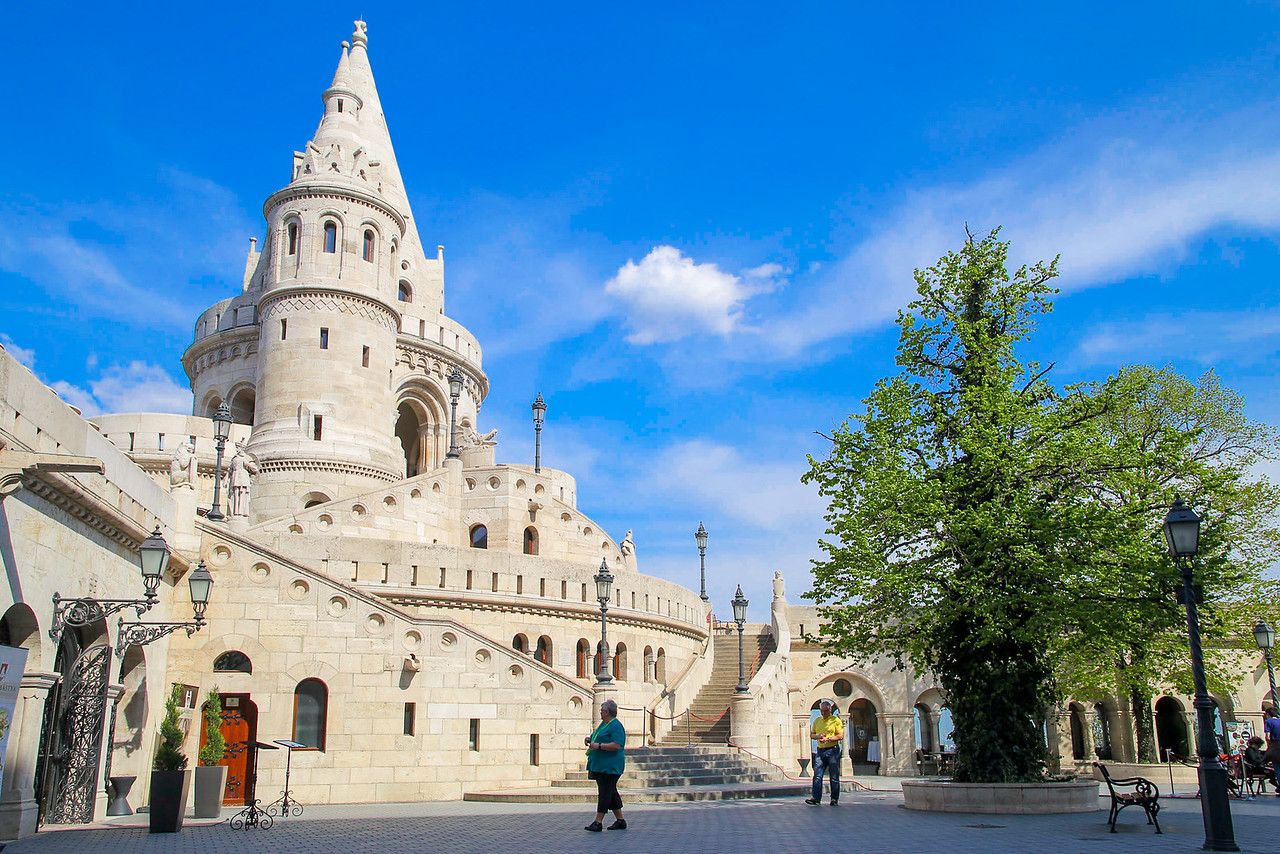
(215, 746)
(1001, 533)
(1170, 437)
(169, 756)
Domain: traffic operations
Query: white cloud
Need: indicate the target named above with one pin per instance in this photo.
(1209, 338)
(668, 296)
(24, 355)
(135, 387)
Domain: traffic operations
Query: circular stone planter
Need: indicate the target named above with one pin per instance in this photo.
(1007, 798)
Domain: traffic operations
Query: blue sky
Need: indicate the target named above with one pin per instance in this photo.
(688, 228)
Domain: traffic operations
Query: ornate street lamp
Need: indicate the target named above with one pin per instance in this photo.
(604, 590)
(1182, 535)
(200, 584)
(539, 415)
(740, 617)
(86, 610)
(1265, 636)
(221, 430)
(455, 391)
(701, 536)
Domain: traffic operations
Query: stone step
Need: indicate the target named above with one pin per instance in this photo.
(630, 781)
(659, 794)
(678, 767)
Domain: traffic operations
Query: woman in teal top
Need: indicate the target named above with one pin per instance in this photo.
(606, 758)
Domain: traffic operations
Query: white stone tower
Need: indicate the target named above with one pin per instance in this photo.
(308, 353)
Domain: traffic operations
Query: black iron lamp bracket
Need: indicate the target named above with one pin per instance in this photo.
(85, 611)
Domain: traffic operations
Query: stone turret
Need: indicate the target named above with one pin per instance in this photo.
(338, 351)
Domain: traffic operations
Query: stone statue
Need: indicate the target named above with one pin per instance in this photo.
(627, 546)
(779, 586)
(470, 438)
(182, 467)
(242, 466)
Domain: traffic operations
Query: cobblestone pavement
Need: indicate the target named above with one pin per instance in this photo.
(862, 823)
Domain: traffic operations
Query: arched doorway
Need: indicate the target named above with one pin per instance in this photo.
(72, 732)
(409, 431)
(1102, 732)
(863, 732)
(1171, 728)
(240, 731)
(1077, 732)
(241, 404)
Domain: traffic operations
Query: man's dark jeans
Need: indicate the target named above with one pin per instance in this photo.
(826, 761)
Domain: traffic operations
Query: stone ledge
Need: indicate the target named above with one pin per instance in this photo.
(1005, 798)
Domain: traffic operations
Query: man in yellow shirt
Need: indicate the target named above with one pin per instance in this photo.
(828, 731)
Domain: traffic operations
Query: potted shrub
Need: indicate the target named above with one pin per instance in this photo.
(169, 777)
(211, 776)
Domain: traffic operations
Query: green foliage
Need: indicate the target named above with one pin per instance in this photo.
(215, 746)
(169, 756)
(1004, 534)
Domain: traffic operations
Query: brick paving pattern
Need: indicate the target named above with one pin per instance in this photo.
(862, 823)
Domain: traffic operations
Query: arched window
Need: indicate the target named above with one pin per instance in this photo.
(479, 537)
(583, 658)
(1101, 732)
(648, 664)
(542, 652)
(404, 292)
(620, 662)
(926, 733)
(531, 540)
(312, 499)
(232, 661)
(599, 663)
(310, 713)
(293, 238)
(660, 666)
(367, 251)
(331, 237)
(520, 643)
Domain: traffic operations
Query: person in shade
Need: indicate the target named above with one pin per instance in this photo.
(1271, 727)
(828, 731)
(606, 758)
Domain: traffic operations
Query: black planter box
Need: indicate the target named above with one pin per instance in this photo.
(169, 800)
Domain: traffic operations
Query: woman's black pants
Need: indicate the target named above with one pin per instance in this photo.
(607, 788)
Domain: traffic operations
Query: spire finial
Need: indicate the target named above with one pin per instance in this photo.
(360, 38)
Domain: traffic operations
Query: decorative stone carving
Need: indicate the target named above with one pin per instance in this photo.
(182, 467)
(779, 586)
(239, 471)
(627, 546)
(469, 437)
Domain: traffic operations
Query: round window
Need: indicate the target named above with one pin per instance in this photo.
(843, 688)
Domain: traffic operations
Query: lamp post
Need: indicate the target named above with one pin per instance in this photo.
(455, 391)
(1182, 535)
(701, 536)
(221, 429)
(604, 590)
(539, 415)
(740, 617)
(83, 611)
(140, 634)
(1266, 639)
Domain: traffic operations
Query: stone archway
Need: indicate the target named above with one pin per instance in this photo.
(1171, 728)
(421, 427)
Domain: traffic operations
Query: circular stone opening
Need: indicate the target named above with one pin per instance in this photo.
(842, 688)
(494, 483)
(389, 502)
(337, 605)
(447, 640)
(260, 572)
(482, 656)
(299, 588)
(412, 640)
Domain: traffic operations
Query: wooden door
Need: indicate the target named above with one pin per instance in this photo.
(240, 730)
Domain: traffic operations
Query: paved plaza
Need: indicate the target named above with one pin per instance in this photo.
(862, 823)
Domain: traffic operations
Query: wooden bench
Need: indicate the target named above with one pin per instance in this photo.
(1144, 794)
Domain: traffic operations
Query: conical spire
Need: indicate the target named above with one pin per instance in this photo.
(352, 140)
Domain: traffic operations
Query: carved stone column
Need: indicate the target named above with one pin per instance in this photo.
(17, 793)
(898, 745)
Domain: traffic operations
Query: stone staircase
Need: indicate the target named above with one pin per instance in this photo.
(709, 721)
(705, 768)
(702, 765)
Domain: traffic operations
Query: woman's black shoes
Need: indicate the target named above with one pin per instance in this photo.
(620, 824)
(594, 827)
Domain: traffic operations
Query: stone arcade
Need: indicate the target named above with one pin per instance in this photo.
(425, 622)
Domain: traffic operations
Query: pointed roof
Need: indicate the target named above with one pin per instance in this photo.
(354, 146)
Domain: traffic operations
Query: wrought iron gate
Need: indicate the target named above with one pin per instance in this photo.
(72, 739)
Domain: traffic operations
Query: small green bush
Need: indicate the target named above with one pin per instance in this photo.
(169, 756)
(215, 746)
